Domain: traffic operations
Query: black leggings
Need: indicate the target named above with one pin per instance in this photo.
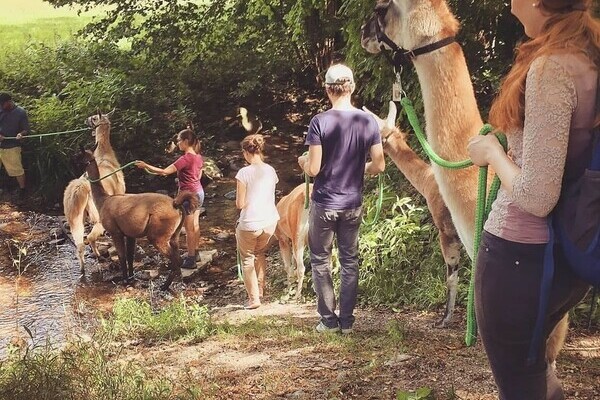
(507, 291)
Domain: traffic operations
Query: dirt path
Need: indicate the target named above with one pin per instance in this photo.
(272, 352)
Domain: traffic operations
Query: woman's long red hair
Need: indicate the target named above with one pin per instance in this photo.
(570, 29)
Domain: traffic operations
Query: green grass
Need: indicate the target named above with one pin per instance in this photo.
(48, 31)
(180, 320)
(24, 21)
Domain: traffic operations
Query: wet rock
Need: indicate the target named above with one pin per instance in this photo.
(211, 169)
(223, 236)
(147, 274)
(203, 258)
(230, 195)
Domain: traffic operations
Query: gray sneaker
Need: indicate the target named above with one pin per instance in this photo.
(347, 331)
(324, 328)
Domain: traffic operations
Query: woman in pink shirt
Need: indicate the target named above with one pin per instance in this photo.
(189, 172)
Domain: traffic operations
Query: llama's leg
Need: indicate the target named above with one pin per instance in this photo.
(96, 232)
(286, 255)
(119, 242)
(170, 250)
(130, 254)
(97, 229)
(77, 232)
(450, 247)
(557, 340)
(299, 257)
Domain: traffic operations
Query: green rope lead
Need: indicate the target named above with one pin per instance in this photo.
(379, 202)
(129, 164)
(482, 209)
(307, 189)
(49, 134)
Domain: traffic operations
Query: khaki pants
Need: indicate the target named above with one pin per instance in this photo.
(11, 160)
(252, 246)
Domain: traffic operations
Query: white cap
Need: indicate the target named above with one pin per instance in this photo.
(337, 74)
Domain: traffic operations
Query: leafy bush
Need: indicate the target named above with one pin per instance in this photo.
(401, 262)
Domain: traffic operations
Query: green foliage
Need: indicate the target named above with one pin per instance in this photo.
(420, 394)
(179, 320)
(400, 259)
(62, 85)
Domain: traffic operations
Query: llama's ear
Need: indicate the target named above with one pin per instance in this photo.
(81, 148)
(99, 113)
(110, 114)
(380, 122)
(390, 121)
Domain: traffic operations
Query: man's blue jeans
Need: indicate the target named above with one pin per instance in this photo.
(323, 225)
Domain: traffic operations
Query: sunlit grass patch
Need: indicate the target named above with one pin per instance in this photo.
(180, 320)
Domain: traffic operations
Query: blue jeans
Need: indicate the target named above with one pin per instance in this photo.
(323, 225)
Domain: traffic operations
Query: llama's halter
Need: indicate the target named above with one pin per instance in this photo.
(400, 56)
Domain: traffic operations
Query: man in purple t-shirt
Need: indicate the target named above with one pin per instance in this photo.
(339, 141)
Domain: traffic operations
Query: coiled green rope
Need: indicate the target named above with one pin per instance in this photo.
(483, 205)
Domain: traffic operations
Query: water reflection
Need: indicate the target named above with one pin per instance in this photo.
(43, 300)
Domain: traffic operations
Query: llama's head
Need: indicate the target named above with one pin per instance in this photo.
(81, 159)
(171, 144)
(387, 126)
(99, 120)
(408, 23)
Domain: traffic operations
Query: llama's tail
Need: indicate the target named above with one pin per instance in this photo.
(193, 203)
(75, 200)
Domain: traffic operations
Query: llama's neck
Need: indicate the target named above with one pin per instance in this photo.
(452, 118)
(103, 142)
(451, 112)
(98, 192)
(408, 162)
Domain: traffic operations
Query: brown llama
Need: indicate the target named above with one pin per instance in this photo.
(127, 217)
(77, 198)
(292, 234)
(420, 175)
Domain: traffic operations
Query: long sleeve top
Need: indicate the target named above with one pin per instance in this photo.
(554, 144)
